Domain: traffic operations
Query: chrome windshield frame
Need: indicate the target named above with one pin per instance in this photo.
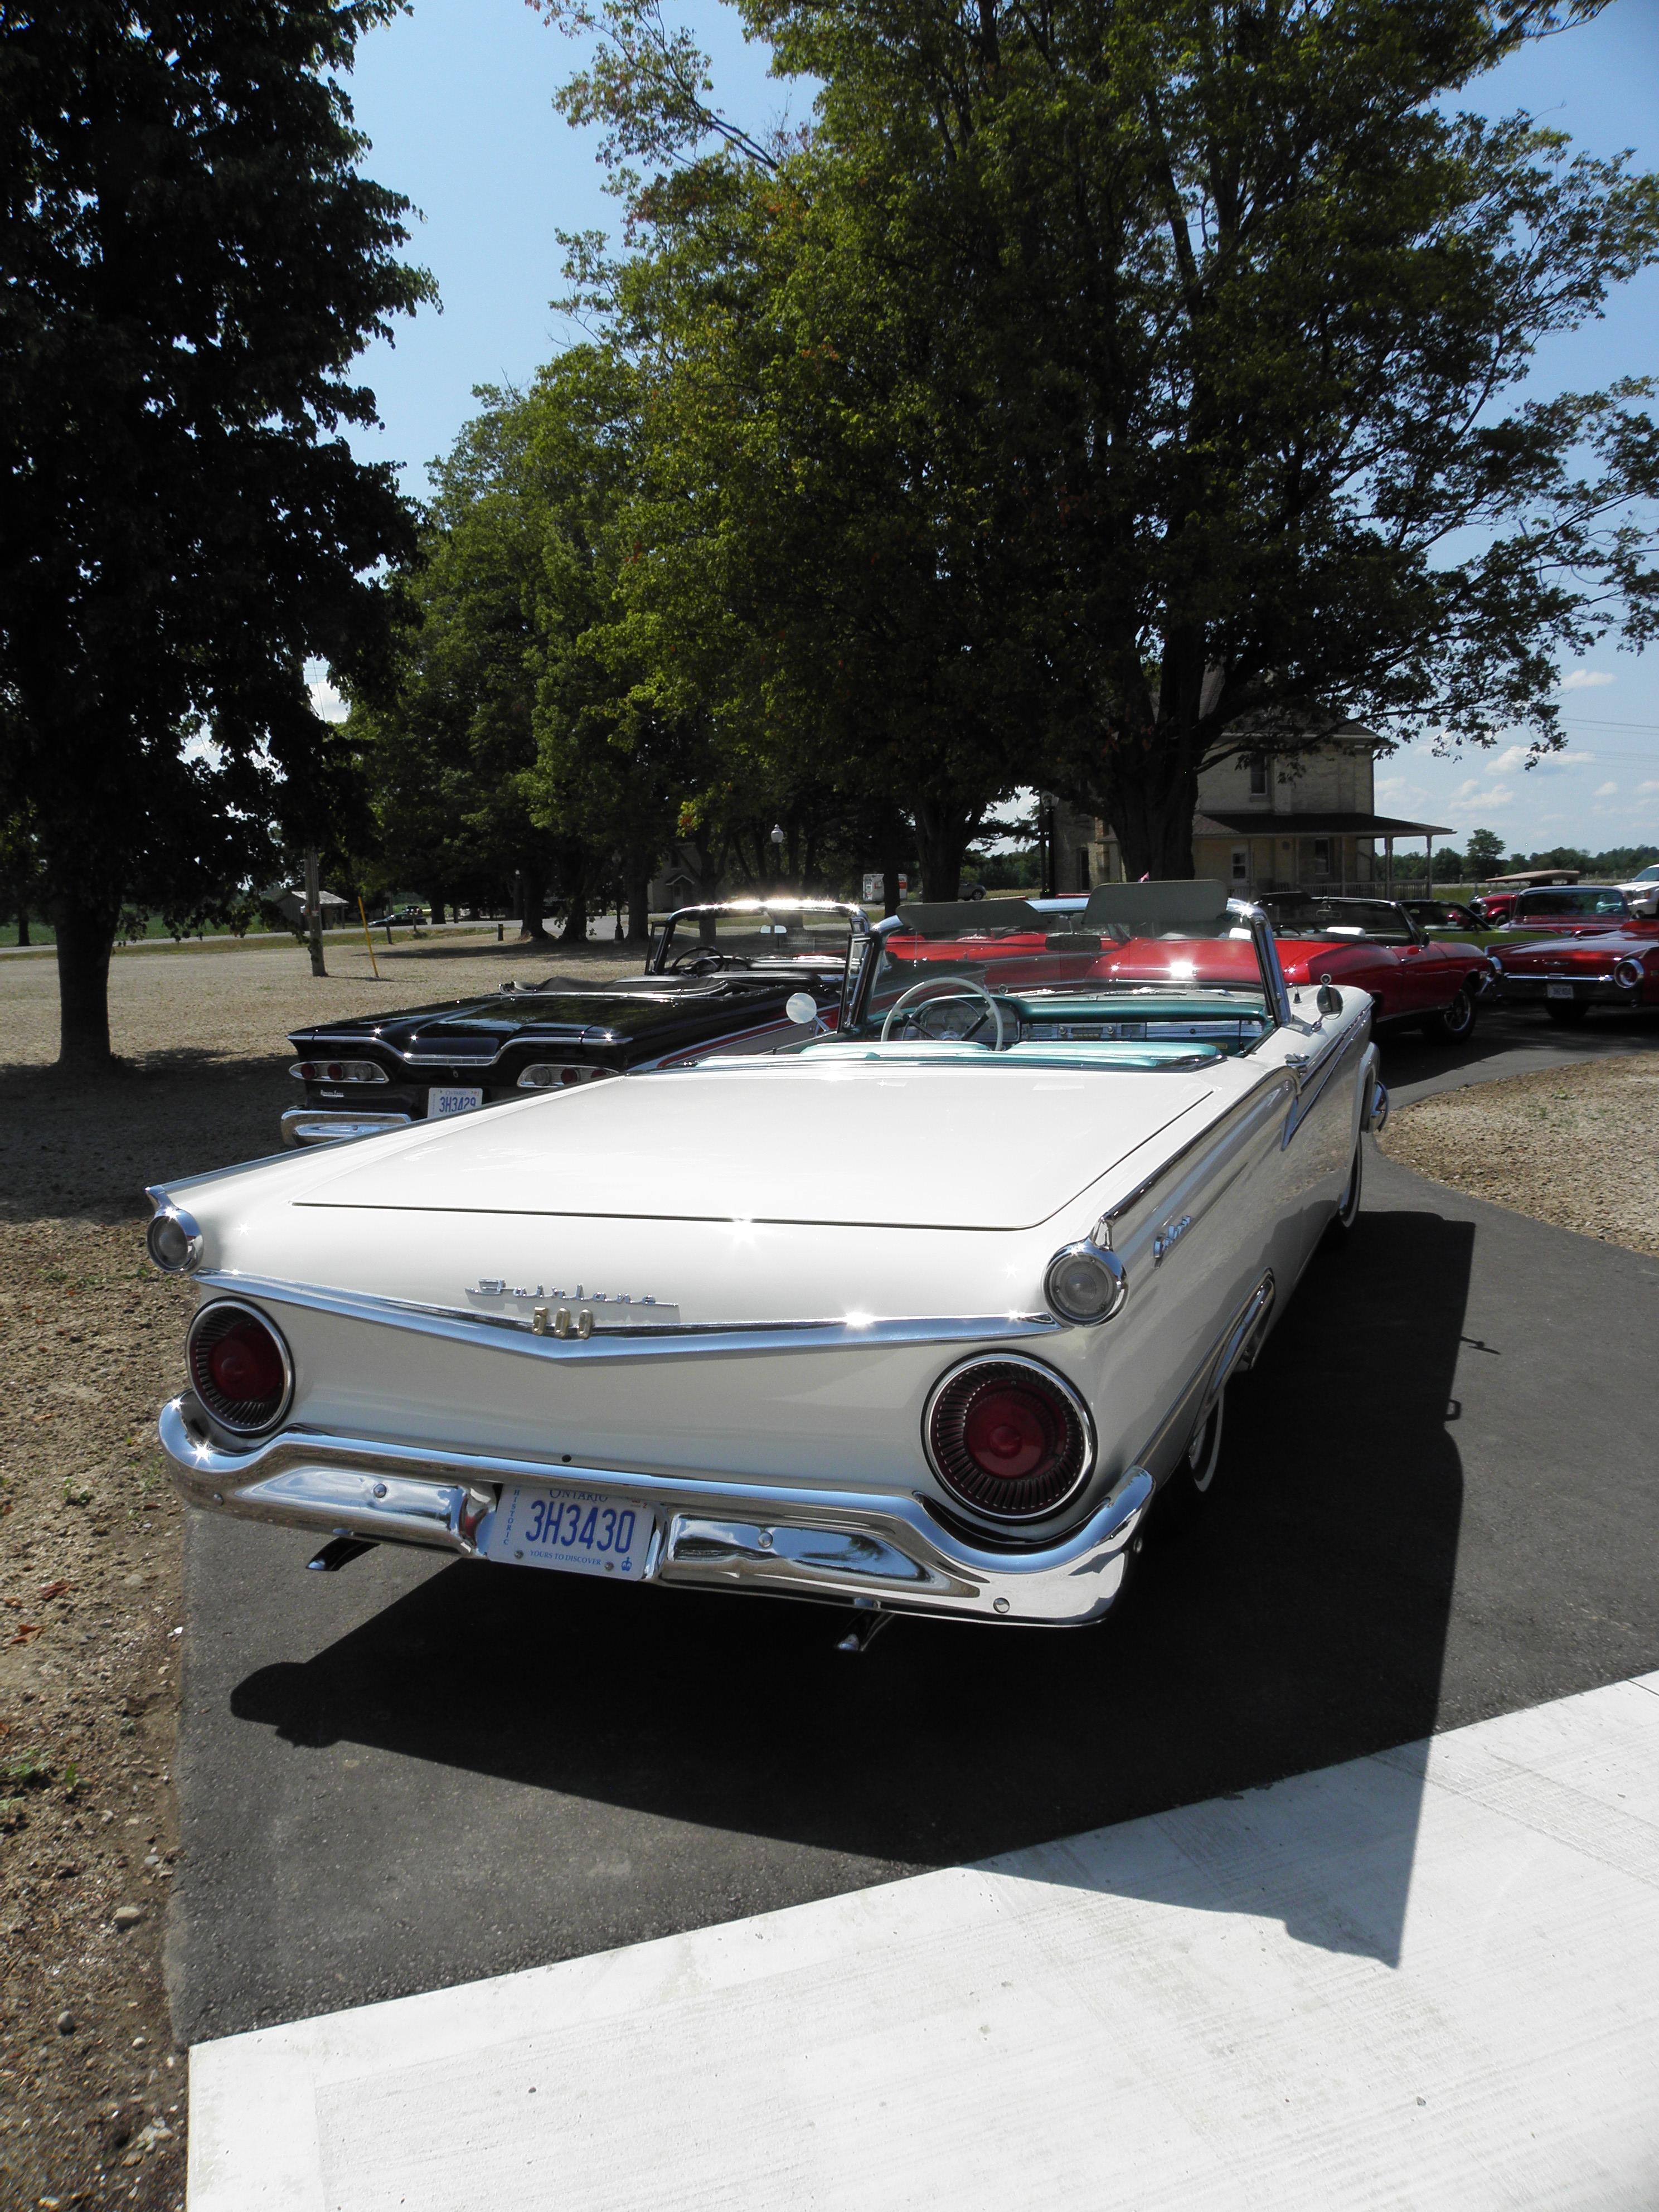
(857, 921)
(1273, 985)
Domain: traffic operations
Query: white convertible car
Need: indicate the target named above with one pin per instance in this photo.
(916, 1318)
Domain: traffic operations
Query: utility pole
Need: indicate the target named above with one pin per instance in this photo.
(315, 912)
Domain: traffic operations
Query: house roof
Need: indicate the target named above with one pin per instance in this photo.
(1252, 823)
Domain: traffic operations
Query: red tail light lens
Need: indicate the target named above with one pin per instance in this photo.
(1009, 1438)
(239, 1367)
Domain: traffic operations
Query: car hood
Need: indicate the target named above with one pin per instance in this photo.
(883, 1143)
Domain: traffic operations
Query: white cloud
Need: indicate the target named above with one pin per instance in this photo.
(327, 702)
(1605, 790)
(1642, 787)
(1468, 795)
(1585, 679)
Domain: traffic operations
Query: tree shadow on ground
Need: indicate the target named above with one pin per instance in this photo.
(89, 1146)
(1303, 1622)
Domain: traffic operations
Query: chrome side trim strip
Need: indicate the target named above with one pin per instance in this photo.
(305, 1126)
(1316, 1077)
(1237, 1344)
(1217, 1129)
(670, 1341)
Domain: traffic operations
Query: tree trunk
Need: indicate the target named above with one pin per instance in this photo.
(1149, 799)
(533, 897)
(85, 935)
(315, 912)
(438, 910)
(22, 925)
(575, 917)
(639, 903)
(944, 830)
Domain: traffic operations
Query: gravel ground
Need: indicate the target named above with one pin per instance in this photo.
(92, 2090)
(1577, 1146)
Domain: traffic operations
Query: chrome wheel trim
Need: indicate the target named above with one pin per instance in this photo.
(1347, 1212)
(1459, 1016)
(1204, 1448)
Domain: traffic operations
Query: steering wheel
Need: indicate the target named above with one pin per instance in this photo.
(959, 987)
(706, 960)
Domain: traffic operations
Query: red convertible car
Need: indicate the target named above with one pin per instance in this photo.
(1414, 981)
(1569, 975)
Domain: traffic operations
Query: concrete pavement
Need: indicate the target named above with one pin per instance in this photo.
(1219, 2006)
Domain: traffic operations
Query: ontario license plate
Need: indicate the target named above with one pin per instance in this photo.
(583, 1532)
(440, 1102)
(1558, 990)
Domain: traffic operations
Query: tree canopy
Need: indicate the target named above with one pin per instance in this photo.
(194, 259)
(1098, 388)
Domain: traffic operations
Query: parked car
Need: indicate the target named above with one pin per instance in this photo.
(1440, 913)
(1575, 908)
(916, 1318)
(1567, 974)
(1414, 981)
(716, 977)
(1643, 892)
(1492, 909)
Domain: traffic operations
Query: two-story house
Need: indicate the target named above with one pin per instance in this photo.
(1267, 822)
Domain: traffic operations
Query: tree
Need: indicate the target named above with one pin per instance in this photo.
(1483, 855)
(193, 262)
(1226, 308)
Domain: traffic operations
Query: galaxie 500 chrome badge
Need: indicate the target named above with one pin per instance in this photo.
(557, 1312)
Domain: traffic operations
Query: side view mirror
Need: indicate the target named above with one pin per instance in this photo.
(1330, 999)
(801, 1007)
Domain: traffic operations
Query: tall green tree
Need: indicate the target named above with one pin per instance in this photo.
(1218, 316)
(193, 261)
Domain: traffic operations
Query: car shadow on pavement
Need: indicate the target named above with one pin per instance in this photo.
(1302, 1623)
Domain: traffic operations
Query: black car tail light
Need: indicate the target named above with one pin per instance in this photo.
(1009, 1438)
(239, 1366)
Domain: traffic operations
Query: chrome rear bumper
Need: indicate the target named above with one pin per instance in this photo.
(320, 1125)
(873, 1551)
(1591, 990)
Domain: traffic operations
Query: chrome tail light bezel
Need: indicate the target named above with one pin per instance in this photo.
(211, 1323)
(1108, 1265)
(945, 1414)
(168, 1226)
(560, 1075)
(1630, 974)
(339, 1071)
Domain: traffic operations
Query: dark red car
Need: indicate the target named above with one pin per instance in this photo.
(1576, 907)
(1432, 984)
(1567, 974)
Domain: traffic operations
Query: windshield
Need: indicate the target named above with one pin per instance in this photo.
(1555, 905)
(787, 933)
(1378, 921)
(1140, 962)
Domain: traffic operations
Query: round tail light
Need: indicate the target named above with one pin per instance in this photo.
(1630, 974)
(239, 1367)
(1008, 1437)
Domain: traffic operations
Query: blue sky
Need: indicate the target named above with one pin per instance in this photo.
(457, 98)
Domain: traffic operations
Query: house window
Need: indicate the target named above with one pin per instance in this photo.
(1083, 868)
(1258, 775)
(1241, 864)
(1322, 856)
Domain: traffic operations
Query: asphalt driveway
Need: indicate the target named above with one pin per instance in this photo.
(1439, 1505)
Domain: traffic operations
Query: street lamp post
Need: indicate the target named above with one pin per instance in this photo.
(778, 840)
